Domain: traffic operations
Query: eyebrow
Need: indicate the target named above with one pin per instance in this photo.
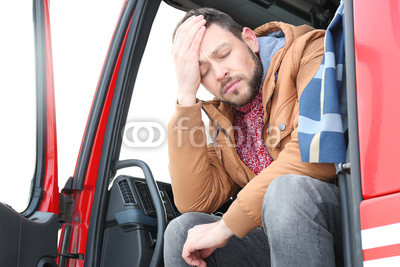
(216, 51)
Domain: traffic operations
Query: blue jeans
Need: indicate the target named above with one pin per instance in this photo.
(301, 227)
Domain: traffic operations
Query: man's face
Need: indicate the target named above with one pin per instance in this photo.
(229, 67)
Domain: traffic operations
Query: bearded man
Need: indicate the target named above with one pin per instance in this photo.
(287, 212)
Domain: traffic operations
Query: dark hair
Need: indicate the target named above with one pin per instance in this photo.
(212, 15)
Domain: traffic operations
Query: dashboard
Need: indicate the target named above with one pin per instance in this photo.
(131, 225)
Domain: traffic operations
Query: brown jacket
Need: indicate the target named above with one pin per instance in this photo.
(204, 177)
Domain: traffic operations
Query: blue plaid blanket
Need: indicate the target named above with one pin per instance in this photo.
(321, 123)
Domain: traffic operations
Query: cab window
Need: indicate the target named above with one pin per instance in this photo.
(153, 100)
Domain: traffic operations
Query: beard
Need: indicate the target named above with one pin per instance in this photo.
(253, 84)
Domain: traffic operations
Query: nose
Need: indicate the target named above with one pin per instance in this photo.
(220, 71)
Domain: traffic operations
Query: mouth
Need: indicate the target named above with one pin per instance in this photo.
(230, 87)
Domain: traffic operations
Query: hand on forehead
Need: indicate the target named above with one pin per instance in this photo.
(189, 27)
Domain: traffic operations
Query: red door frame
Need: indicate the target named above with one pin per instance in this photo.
(50, 202)
(77, 230)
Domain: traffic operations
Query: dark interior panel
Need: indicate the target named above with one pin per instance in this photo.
(131, 225)
(27, 241)
(253, 13)
(129, 246)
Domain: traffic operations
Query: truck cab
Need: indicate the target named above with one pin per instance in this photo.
(104, 215)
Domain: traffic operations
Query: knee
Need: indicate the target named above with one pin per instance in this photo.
(175, 236)
(283, 191)
(284, 199)
(178, 227)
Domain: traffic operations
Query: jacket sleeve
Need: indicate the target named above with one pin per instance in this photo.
(245, 212)
(199, 181)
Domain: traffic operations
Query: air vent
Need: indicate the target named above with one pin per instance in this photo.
(145, 197)
(126, 192)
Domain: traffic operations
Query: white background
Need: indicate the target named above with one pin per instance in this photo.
(81, 32)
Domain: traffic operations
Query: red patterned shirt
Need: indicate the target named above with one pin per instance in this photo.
(248, 125)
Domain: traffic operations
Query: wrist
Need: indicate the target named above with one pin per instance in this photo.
(225, 229)
(186, 99)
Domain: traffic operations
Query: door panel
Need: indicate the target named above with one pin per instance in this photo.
(378, 96)
(380, 228)
(27, 241)
(30, 238)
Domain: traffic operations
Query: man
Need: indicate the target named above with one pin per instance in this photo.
(287, 212)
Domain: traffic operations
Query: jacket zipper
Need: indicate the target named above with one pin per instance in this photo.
(230, 140)
(266, 111)
(267, 121)
(216, 133)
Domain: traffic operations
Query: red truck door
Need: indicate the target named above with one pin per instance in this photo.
(370, 195)
(377, 53)
(82, 231)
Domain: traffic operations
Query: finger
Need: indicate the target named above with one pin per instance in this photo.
(199, 260)
(188, 252)
(185, 251)
(198, 38)
(182, 26)
(192, 256)
(202, 263)
(193, 262)
(205, 253)
(196, 259)
(185, 28)
(191, 34)
(192, 259)
(179, 33)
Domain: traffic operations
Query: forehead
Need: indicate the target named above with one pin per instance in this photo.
(215, 36)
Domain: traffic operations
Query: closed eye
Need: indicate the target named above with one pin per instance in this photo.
(203, 71)
(225, 54)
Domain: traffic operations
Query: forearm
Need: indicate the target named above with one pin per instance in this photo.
(199, 181)
(189, 170)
